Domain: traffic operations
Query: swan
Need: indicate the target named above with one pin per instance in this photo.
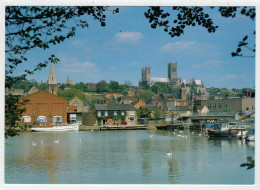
(168, 153)
(174, 133)
(91, 130)
(180, 131)
(57, 141)
(33, 143)
(80, 140)
(151, 136)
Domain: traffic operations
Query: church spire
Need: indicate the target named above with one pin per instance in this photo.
(52, 79)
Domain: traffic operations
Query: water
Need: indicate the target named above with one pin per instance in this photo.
(126, 157)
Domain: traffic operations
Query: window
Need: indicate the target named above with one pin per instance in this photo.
(209, 105)
(73, 117)
(131, 113)
(106, 113)
(214, 106)
(42, 119)
(115, 113)
(225, 105)
(220, 105)
(26, 119)
(99, 113)
(57, 119)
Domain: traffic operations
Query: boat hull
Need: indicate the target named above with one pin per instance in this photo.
(219, 133)
(72, 127)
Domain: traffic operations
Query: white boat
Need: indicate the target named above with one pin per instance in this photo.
(250, 136)
(68, 127)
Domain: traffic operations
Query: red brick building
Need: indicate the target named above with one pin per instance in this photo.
(44, 109)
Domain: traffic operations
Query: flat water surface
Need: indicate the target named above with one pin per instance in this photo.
(126, 157)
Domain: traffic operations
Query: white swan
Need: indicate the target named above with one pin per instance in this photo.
(57, 141)
(80, 140)
(168, 153)
(33, 143)
(151, 136)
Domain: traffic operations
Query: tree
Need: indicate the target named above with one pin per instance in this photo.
(113, 86)
(29, 28)
(81, 86)
(13, 112)
(102, 86)
(69, 94)
(157, 113)
(161, 87)
(144, 113)
(145, 96)
(192, 16)
(43, 86)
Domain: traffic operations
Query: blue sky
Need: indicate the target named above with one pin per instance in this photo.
(104, 53)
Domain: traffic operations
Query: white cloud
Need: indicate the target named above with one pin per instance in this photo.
(74, 65)
(128, 36)
(180, 45)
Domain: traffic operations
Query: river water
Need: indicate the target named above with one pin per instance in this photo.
(126, 157)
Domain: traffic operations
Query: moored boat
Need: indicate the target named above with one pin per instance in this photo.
(250, 136)
(225, 130)
(57, 128)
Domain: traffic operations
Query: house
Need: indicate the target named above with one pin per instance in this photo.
(32, 90)
(138, 104)
(115, 114)
(127, 99)
(76, 107)
(44, 109)
(17, 92)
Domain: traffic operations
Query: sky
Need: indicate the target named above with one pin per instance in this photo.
(127, 44)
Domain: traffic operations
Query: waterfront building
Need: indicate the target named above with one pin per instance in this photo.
(235, 104)
(76, 108)
(115, 114)
(44, 109)
(52, 81)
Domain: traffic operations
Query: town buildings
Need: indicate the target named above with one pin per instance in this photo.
(115, 114)
(44, 109)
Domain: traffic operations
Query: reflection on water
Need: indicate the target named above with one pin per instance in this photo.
(127, 157)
